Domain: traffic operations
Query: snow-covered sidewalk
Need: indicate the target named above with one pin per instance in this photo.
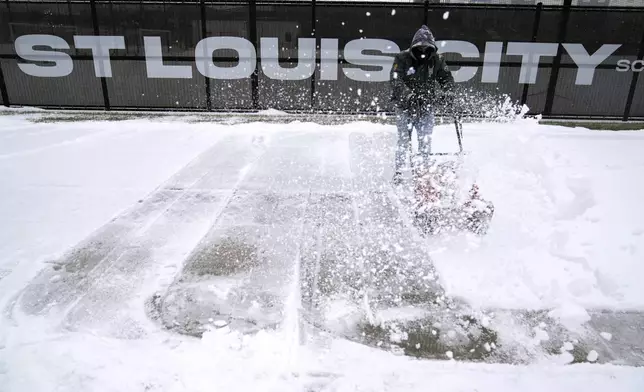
(131, 207)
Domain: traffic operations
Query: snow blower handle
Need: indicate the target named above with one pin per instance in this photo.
(459, 133)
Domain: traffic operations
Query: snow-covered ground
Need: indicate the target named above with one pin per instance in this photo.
(143, 198)
(570, 225)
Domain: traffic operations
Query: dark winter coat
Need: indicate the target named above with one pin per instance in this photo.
(420, 83)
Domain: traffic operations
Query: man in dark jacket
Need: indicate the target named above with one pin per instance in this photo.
(421, 83)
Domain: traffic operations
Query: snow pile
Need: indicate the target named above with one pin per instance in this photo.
(272, 112)
(568, 223)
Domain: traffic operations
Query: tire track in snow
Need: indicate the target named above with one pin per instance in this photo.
(244, 273)
(91, 309)
(96, 256)
(333, 275)
(56, 287)
(111, 239)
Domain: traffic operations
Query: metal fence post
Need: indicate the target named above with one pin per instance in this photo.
(554, 73)
(631, 90)
(314, 33)
(254, 78)
(426, 12)
(3, 86)
(204, 32)
(106, 98)
(3, 89)
(535, 31)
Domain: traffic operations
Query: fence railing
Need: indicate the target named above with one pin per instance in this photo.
(560, 59)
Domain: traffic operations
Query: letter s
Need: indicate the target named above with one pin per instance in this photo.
(353, 54)
(63, 64)
(623, 66)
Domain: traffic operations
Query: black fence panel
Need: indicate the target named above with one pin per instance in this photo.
(153, 33)
(228, 21)
(593, 28)
(75, 83)
(287, 48)
(341, 85)
(133, 86)
(560, 59)
(81, 88)
(3, 88)
(61, 19)
(637, 109)
(6, 40)
(177, 25)
(604, 91)
(496, 64)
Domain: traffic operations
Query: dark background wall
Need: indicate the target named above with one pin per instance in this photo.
(181, 25)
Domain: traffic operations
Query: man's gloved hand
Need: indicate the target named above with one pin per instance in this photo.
(411, 98)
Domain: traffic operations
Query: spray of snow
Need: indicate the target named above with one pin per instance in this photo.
(592, 356)
(570, 315)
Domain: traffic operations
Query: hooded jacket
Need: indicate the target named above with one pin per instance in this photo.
(413, 78)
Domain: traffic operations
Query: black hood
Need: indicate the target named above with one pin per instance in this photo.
(423, 37)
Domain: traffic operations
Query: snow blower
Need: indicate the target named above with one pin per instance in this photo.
(436, 206)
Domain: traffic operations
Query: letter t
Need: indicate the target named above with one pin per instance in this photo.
(531, 52)
(100, 46)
